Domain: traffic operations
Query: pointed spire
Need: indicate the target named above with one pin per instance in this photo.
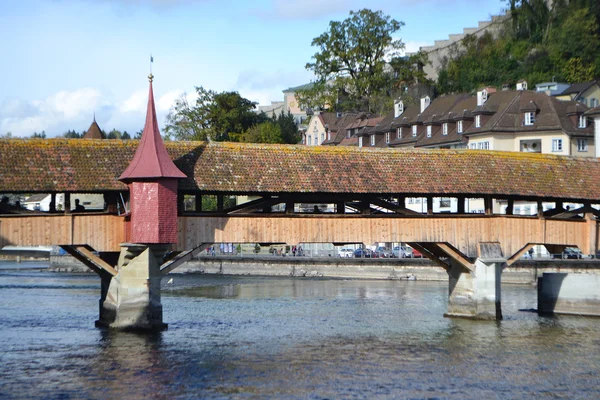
(151, 159)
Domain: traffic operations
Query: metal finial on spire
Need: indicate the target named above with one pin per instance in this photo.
(151, 77)
(94, 116)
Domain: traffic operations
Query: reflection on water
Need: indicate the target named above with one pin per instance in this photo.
(233, 337)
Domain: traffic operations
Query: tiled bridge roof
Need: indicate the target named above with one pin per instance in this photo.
(79, 165)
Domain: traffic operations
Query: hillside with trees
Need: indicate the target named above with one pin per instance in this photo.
(540, 41)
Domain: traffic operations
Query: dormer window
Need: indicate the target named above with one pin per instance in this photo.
(582, 121)
(387, 137)
(372, 140)
(399, 133)
(529, 118)
(329, 136)
(428, 130)
(348, 133)
(398, 108)
(414, 130)
(459, 126)
(478, 121)
(445, 128)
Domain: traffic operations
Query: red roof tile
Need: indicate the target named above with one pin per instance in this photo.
(151, 159)
(79, 165)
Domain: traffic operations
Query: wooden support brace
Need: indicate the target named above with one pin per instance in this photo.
(181, 258)
(515, 257)
(457, 256)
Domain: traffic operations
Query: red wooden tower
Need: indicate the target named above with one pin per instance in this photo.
(152, 179)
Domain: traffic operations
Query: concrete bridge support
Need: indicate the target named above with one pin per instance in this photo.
(567, 293)
(131, 299)
(475, 293)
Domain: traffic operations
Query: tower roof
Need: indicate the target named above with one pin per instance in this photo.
(94, 132)
(151, 159)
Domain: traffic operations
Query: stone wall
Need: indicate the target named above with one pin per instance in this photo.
(523, 272)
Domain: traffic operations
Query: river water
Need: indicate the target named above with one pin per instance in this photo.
(296, 338)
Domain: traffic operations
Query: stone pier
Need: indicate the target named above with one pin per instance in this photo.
(568, 293)
(475, 294)
(131, 299)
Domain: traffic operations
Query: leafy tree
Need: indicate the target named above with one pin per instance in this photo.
(138, 134)
(41, 135)
(125, 136)
(7, 135)
(265, 132)
(218, 116)
(350, 64)
(114, 134)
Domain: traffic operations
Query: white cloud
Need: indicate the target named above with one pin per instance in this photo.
(137, 102)
(67, 110)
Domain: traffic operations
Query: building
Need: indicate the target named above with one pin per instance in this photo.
(443, 49)
(587, 93)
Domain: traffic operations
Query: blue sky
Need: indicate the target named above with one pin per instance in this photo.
(64, 60)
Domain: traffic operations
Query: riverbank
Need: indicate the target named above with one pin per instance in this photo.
(522, 272)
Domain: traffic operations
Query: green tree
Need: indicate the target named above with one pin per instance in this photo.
(72, 134)
(218, 116)
(41, 135)
(287, 126)
(350, 63)
(114, 134)
(265, 132)
(125, 136)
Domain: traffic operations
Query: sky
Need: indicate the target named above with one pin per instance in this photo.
(64, 61)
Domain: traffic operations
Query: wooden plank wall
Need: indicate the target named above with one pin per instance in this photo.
(102, 232)
(105, 232)
(464, 232)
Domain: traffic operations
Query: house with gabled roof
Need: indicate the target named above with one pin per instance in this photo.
(335, 128)
(367, 136)
(532, 122)
(587, 93)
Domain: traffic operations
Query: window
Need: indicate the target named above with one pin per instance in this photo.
(459, 127)
(582, 145)
(414, 131)
(582, 121)
(310, 140)
(478, 121)
(428, 130)
(348, 133)
(387, 137)
(372, 140)
(480, 145)
(360, 141)
(322, 137)
(399, 133)
(445, 128)
(529, 118)
(593, 103)
(329, 136)
(557, 145)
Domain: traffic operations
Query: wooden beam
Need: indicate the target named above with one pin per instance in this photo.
(515, 257)
(84, 253)
(461, 204)
(181, 258)
(429, 205)
(430, 254)
(457, 256)
(510, 208)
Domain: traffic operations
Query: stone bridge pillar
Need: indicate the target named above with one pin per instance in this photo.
(477, 293)
(132, 299)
